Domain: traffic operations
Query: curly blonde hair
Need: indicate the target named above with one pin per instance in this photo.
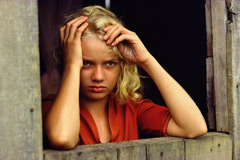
(128, 83)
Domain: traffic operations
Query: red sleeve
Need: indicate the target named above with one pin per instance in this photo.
(46, 104)
(152, 119)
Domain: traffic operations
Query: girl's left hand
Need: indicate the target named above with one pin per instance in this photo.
(129, 44)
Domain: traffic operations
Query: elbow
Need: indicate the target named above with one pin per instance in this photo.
(62, 142)
(200, 131)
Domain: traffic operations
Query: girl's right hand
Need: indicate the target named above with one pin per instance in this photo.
(70, 36)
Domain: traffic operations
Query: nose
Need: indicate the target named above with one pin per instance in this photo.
(98, 74)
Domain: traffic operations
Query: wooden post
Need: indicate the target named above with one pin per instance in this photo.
(209, 68)
(20, 111)
(219, 22)
(233, 62)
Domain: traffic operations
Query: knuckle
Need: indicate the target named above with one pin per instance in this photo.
(79, 30)
(68, 24)
(133, 33)
(69, 41)
(73, 25)
(117, 25)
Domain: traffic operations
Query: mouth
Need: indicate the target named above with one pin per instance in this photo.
(97, 89)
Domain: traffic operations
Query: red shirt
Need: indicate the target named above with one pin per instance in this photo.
(127, 122)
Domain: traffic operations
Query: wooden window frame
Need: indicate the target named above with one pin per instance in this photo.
(20, 104)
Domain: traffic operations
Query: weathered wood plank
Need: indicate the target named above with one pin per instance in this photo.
(208, 16)
(233, 45)
(219, 18)
(212, 145)
(119, 151)
(209, 86)
(165, 149)
(20, 111)
(155, 148)
(209, 147)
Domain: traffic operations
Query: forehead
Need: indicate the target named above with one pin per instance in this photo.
(93, 47)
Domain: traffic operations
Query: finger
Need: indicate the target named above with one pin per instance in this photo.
(120, 39)
(122, 33)
(67, 28)
(80, 30)
(62, 30)
(75, 26)
(113, 33)
(107, 28)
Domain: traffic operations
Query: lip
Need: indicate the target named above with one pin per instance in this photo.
(97, 89)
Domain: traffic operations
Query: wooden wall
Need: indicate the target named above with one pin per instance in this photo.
(20, 111)
(223, 68)
(233, 62)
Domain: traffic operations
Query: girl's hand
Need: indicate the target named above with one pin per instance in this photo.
(129, 44)
(70, 36)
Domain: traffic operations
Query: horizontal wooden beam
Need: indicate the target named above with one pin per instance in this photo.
(211, 146)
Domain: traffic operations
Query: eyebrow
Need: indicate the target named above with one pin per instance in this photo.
(110, 59)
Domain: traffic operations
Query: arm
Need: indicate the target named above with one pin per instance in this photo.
(62, 123)
(187, 120)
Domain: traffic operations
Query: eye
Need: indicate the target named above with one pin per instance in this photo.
(86, 63)
(110, 63)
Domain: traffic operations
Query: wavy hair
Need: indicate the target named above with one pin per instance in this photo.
(128, 83)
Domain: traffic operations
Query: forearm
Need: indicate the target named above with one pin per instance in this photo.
(62, 123)
(183, 109)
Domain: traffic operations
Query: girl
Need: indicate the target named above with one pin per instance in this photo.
(99, 100)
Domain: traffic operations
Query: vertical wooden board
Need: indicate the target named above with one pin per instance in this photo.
(218, 8)
(234, 75)
(209, 88)
(20, 111)
(208, 27)
(209, 147)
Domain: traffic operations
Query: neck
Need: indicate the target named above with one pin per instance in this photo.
(98, 107)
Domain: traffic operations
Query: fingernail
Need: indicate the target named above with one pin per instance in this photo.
(105, 37)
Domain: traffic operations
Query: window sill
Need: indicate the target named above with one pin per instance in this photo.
(213, 145)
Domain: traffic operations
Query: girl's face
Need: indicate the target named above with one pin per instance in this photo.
(100, 70)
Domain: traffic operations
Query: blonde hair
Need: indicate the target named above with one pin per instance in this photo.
(128, 83)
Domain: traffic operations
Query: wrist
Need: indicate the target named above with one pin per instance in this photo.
(77, 66)
(72, 68)
(148, 62)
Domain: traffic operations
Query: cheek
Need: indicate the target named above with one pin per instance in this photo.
(84, 76)
(114, 75)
